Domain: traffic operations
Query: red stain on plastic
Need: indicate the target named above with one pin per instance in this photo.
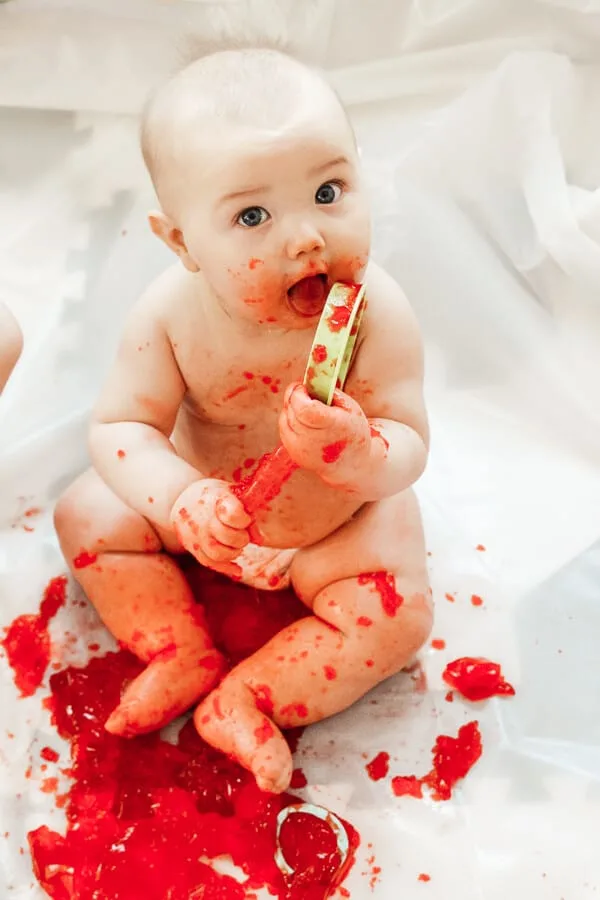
(299, 779)
(319, 353)
(27, 641)
(407, 786)
(49, 754)
(476, 600)
(453, 759)
(476, 678)
(379, 767)
(143, 813)
(438, 644)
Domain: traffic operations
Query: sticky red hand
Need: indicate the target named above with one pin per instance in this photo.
(332, 441)
(211, 523)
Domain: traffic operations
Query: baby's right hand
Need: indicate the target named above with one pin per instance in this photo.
(212, 524)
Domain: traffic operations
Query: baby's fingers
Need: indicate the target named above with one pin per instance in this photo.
(234, 538)
(230, 512)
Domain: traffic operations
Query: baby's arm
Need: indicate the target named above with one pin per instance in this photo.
(134, 418)
(374, 440)
(11, 344)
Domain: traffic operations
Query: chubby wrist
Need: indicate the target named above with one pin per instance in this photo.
(355, 474)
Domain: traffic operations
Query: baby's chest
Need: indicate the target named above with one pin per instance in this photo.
(232, 393)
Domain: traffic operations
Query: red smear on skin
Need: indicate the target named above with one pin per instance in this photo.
(142, 813)
(438, 644)
(476, 601)
(266, 379)
(319, 353)
(264, 733)
(27, 641)
(236, 392)
(379, 767)
(330, 673)
(249, 375)
(259, 489)
(385, 584)
(84, 560)
(294, 709)
(453, 758)
(377, 434)
(476, 678)
(332, 452)
(254, 262)
(121, 454)
(364, 621)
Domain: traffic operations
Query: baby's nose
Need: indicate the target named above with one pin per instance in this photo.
(304, 238)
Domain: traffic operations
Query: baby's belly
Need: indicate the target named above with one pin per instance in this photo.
(305, 510)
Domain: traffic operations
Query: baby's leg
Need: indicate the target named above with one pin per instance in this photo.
(143, 599)
(368, 587)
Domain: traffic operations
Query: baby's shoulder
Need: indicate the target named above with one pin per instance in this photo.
(389, 313)
(168, 295)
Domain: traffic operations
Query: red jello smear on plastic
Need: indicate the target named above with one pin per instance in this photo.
(143, 813)
(27, 641)
(476, 678)
(453, 758)
(379, 766)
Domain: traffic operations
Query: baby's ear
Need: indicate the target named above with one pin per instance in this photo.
(164, 228)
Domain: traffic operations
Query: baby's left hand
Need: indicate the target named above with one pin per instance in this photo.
(332, 441)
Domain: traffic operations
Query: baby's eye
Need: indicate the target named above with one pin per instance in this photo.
(330, 192)
(253, 216)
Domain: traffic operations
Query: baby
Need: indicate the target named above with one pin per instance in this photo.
(255, 166)
(11, 344)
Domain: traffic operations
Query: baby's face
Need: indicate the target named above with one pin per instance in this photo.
(273, 218)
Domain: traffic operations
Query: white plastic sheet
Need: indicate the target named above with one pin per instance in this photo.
(479, 128)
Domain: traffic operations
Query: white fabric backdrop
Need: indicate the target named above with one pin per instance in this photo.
(479, 124)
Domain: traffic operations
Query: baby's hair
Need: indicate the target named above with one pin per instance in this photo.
(252, 83)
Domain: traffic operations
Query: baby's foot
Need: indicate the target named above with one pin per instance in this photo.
(265, 568)
(230, 720)
(171, 683)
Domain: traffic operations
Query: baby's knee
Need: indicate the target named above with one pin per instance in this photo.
(70, 513)
(89, 517)
(392, 641)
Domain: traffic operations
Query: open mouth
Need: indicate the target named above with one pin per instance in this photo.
(307, 297)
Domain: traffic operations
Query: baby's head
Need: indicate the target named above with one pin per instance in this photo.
(255, 166)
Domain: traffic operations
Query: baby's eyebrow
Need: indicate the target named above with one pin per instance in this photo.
(339, 160)
(245, 192)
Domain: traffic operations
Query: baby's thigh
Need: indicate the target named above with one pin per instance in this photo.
(385, 536)
(89, 516)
